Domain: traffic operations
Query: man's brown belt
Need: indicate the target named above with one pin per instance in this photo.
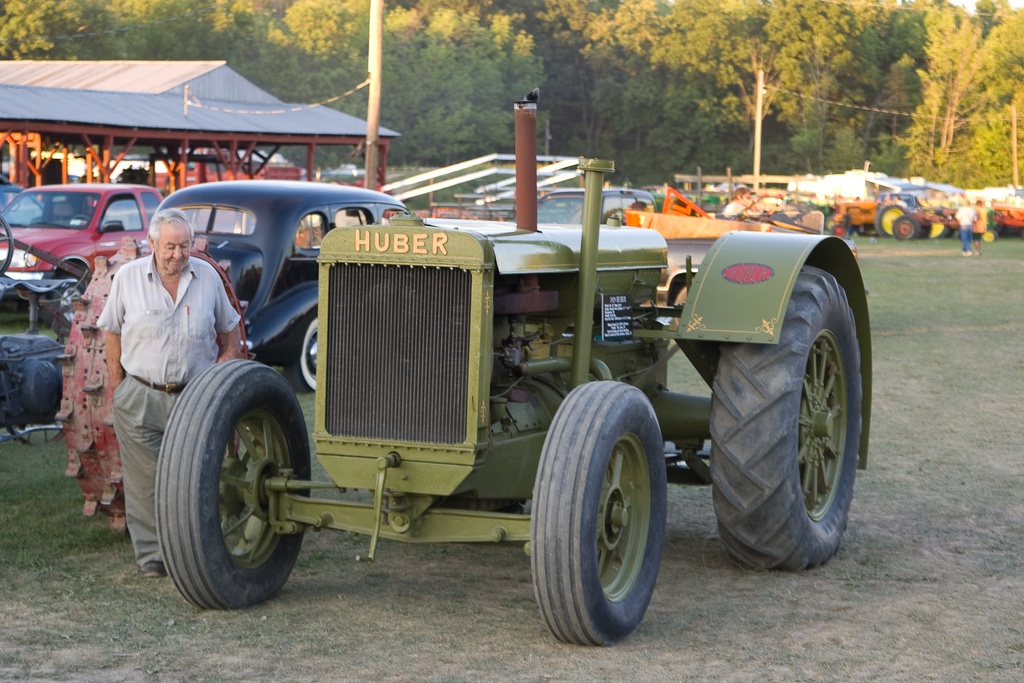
(173, 388)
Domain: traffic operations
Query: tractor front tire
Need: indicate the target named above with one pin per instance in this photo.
(906, 227)
(234, 426)
(598, 524)
(785, 430)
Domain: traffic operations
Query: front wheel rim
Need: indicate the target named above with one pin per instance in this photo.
(824, 412)
(624, 518)
(257, 449)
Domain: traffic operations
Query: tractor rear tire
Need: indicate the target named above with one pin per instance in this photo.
(598, 524)
(234, 426)
(884, 218)
(785, 430)
(906, 227)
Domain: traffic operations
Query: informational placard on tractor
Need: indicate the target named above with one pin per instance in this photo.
(616, 317)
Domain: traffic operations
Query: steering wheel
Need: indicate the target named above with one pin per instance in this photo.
(6, 242)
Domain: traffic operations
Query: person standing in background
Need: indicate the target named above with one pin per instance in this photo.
(741, 202)
(980, 225)
(966, 216)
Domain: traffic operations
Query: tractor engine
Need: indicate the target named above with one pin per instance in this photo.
(30, 380)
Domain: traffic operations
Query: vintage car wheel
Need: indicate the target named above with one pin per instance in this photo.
(785, 433)
(233, 427)
(598, 524)
(7, 242)
(302, 373)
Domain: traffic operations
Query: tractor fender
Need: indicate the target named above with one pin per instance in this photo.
(743, 287)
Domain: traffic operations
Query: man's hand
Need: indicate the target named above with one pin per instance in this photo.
(115, 373)
(231, 344)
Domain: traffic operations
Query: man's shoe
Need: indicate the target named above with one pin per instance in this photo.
(153, 570)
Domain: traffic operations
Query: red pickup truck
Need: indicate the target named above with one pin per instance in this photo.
(76, 223)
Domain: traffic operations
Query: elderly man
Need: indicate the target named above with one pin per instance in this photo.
(163, 320)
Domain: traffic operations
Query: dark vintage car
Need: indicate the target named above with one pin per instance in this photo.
(270, 232)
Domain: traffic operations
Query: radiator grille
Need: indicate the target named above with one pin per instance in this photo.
(397, 356)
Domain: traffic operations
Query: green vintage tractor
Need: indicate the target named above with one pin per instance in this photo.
(502, 383)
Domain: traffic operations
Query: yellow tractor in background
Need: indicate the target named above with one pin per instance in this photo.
(893, 214)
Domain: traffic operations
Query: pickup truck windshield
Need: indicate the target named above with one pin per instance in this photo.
(72, 211)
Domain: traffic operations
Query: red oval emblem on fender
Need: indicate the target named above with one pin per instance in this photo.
(748, 273)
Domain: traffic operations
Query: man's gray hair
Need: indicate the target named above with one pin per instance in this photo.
(172, 217)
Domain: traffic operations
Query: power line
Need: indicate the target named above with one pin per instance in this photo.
(824, 100)
(876, 110)
(195, 102)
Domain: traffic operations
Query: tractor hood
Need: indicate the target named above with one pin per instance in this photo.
(551, 249)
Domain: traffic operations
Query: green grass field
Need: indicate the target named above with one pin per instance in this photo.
(928, 586)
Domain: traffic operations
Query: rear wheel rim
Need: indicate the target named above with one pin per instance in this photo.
(888, 216)
(823, 422)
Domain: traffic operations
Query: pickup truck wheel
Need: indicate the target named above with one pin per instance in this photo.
(785, 430)
(302, 373)
(236, 425)
(906, 227)
(598, 522)
(7, 242)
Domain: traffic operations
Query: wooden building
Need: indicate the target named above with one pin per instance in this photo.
(172, 113)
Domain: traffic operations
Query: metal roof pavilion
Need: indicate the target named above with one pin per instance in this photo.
(213, 77)
(181, 111)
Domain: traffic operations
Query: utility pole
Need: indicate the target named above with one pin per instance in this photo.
(1013, 142)
(759, 107)
(374, 59)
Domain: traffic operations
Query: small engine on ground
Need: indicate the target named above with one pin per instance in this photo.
(30, 380)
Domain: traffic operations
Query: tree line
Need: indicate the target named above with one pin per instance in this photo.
(915, 87)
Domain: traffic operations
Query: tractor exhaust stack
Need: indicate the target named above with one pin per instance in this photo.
(526, 161)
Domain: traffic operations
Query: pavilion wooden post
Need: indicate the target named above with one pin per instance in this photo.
(1013, 143)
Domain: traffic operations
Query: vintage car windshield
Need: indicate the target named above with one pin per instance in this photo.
(223, 220)
(71, 210)
(313, 226)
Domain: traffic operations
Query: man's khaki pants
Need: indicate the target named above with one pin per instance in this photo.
(140, 418)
